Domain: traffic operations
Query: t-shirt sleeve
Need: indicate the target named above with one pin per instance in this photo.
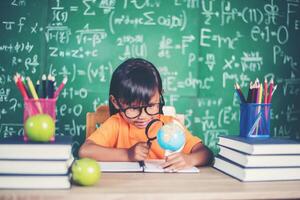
(107, 134)
(190, 142)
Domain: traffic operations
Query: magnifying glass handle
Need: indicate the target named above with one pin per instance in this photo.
(149, 143)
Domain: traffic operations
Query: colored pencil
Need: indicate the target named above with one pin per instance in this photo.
(37, 87)
(50, 86)
(61, 86)
(254, 92)
(44, 86)
(265, 91)
(34, 94)
(271, 91)
(240, 93)
(260, 93)
(20, 86)
(25, 87)
(249, 97)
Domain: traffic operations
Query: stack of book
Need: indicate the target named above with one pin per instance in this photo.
(35, 165)
(259, 159)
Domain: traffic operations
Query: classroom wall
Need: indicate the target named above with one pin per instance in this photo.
(201, 49)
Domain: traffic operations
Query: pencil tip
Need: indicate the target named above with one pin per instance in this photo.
(65, 80)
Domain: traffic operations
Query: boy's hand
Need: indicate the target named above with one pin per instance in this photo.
(138, 152)
(176, 162)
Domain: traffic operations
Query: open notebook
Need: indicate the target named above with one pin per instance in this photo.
(150, 166)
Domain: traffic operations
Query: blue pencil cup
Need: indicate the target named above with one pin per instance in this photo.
(255, 120)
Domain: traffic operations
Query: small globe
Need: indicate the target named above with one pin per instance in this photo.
(171, 137)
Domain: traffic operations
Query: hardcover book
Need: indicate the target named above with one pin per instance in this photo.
(16, 148)
(47, 167)
(36, 181)
(256, 173)
(260, 145)
(260, 160)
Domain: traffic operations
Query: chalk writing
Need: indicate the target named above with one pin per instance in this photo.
(200, 47)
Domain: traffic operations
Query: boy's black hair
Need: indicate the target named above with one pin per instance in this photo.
(135, 80)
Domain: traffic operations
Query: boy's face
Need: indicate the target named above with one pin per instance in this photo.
(144, 113)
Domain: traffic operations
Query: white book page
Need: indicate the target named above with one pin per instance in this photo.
(120, 167)
(155, 166)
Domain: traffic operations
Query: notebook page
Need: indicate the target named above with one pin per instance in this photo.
(120, 167)
(155, 166)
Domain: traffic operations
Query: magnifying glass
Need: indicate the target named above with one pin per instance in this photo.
(150, 139)
(170, 136)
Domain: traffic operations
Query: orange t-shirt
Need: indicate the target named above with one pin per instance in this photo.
(115, 132)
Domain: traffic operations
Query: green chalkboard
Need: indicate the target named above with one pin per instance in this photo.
(201, 49)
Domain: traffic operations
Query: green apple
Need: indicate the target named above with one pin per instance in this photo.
(40, 127)
(86, 172)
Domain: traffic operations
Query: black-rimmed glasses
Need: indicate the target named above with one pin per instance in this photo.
(132, 112)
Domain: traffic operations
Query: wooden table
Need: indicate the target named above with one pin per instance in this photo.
(208, 184)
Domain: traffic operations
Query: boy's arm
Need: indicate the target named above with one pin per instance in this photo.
(201, 155)
(91, 150)
(137, 152)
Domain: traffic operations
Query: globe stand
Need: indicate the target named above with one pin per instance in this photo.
(169, 152)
